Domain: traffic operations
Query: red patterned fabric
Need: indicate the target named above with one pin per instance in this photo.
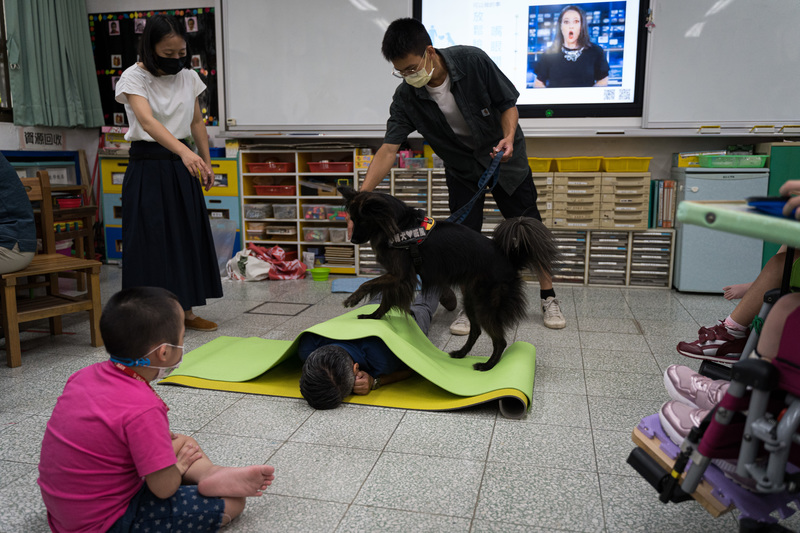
(281, 269)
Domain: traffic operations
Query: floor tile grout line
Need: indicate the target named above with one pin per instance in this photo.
(372, 469)
(483, 473)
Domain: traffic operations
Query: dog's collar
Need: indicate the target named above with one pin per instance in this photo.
(413, 236)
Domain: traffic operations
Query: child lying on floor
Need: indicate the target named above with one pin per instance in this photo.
(109, 461)
(334, 369)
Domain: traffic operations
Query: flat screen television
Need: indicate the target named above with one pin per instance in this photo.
(588, 62)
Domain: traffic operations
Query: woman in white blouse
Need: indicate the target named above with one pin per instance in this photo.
(166, 235)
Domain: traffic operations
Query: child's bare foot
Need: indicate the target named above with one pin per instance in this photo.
(237, 482)
(736, 292)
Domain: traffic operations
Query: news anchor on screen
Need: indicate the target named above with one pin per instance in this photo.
(572, 60)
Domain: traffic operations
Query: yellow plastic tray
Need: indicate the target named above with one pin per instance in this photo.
(540, 164)
(578, 164)
(626, 164)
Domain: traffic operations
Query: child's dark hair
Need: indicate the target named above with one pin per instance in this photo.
(327, 377)
(136, 320)
(403, 37)
(158, 27)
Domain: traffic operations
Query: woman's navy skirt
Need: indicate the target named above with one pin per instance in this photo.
(166, 235)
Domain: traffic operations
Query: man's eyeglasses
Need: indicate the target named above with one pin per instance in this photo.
(409, 71)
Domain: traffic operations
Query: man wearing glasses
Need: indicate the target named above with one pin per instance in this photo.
(465, 108)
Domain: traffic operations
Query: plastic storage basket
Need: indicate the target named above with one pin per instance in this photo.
(330, 166)
(281, 231)
(626, 164)
(416, 162)
(732, 161)
(315, 212)
(275, 190)
(257, 210)
(540, 164)
(338, 234)
(270, 166)
(315, 235)
(284, 211)
(578, 164)
(337, 212)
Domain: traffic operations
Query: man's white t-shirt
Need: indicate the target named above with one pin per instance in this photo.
(447, 103)
(171, 98)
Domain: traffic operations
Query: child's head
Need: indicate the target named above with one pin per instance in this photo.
(163, 43)
(136, 320)
(327, 377)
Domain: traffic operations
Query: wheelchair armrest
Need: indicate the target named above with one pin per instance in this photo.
(756, 373)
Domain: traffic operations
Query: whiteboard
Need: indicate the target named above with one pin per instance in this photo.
(723, 62)
(307, 65)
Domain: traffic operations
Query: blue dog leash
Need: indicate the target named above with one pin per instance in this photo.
(492, 173)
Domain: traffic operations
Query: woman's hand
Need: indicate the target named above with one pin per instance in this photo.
(791, 188)
(363, 383)
(208, 179)
(197, 167)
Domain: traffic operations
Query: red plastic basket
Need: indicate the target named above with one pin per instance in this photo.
(275, 190)
(68, 203)
(270, 166)
(330, 166)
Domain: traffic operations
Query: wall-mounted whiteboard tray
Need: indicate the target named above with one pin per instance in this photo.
(723, 62)
(738, 218)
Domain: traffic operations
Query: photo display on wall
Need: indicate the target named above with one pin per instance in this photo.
(115, 41)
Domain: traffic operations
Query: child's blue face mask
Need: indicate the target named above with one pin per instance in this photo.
(163, 371)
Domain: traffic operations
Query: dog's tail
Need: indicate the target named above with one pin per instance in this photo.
(527, 243)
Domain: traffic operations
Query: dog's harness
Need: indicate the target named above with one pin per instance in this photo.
(412, 238)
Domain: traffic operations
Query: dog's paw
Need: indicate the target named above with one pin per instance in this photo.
(371, 316)
(482, 367)
(351, 301)
(458, 354)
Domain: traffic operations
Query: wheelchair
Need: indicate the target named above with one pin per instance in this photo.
(754, 427)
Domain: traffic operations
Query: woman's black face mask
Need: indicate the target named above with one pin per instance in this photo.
(171, 65)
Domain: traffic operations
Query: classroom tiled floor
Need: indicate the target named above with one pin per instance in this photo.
(357, 468)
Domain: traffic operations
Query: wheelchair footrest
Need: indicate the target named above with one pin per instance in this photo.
(716, 493)
(650, 438)
(652, 472)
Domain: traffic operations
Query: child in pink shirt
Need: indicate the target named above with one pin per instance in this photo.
(109, 461)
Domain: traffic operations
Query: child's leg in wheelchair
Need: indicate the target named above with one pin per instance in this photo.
(769, 278)
(770, 338)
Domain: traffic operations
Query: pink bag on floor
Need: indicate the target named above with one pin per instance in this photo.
(276, 256)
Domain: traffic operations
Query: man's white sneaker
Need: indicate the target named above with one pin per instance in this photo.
(461, 325)
(553, 317)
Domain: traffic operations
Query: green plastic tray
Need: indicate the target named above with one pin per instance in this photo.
(732, 161)
(738, 218)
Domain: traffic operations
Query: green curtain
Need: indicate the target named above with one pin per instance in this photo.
(51, 65)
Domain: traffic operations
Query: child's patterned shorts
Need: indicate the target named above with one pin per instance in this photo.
(186, 510)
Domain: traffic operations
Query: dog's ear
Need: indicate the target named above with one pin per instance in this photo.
(348, 193)
(377, 209)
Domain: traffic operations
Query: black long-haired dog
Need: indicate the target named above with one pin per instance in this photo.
(445, 254)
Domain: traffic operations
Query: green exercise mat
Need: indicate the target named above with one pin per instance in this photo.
(271, 367)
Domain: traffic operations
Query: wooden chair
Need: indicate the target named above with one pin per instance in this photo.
(47, 264)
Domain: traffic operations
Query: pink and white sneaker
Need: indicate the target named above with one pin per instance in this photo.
(693, 389)
(717, 343)
(677, 420)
